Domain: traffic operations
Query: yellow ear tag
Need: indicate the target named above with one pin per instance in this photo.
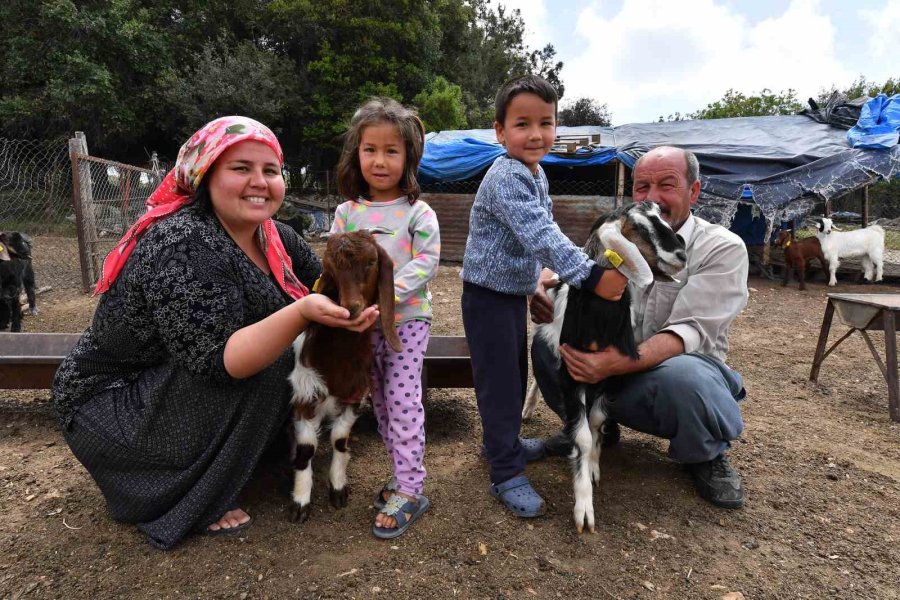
(613, 257)
(316, 285)
(2, 248)
(787, 244)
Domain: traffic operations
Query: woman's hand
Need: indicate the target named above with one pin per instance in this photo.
(322, 309)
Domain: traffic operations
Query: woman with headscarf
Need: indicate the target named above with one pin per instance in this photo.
(180, 383)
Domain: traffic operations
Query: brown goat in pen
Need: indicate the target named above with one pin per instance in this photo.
(797, 254)
(332, 372)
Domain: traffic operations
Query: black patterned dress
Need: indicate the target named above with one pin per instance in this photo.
(144, 399)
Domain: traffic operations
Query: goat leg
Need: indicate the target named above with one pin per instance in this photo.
(531, 400)
(581, 458)
(596, 418)
(338, 490)
(306, 433)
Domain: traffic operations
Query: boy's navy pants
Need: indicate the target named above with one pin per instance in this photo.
(496, 327)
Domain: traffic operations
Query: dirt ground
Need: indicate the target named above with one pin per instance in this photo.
(821, 467)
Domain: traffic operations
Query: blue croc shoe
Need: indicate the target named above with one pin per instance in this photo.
(517, 495)
(533, 447)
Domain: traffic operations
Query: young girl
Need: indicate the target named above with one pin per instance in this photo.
(377, 169)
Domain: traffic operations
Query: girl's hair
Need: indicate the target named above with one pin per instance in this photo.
(378, 111)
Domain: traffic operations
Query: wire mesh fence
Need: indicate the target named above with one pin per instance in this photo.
(36, 187)
(558, 187)
(109, 197)
(850, 211)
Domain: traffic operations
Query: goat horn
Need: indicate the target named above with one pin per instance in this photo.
(633, 266)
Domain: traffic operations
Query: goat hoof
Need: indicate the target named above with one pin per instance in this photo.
(338, 498)
(300, 513)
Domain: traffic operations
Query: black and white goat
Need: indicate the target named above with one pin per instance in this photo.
(866, 244)
(332, 371)
(649, 250)
(16, 273)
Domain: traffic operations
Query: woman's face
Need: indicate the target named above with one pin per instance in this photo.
(246, 186)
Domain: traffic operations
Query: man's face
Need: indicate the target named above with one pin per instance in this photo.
(661, 177)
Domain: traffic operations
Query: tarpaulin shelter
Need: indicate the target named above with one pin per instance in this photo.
(779, 166)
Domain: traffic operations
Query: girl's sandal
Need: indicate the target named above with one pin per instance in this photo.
(388, 488)
(398, 507)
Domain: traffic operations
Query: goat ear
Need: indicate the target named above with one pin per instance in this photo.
(386, 299)
(326, 286)
(633, 266)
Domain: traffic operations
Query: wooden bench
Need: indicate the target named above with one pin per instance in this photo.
(30, 360)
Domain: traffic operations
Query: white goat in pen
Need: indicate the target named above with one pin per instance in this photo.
(866, 244)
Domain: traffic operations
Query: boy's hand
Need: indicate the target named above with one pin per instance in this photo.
(612, 285)
(541, 305)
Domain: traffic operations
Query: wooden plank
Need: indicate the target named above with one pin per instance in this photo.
(30, 360)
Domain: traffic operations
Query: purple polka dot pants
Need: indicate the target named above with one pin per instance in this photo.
(397, 401)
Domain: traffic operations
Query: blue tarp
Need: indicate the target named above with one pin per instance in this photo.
(878, 125)
(461, 155)
(782, 164)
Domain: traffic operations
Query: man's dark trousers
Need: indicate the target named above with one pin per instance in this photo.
(690, 399)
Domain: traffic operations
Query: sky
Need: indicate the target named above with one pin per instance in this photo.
(652, 58)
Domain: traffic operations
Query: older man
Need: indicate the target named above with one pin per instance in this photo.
(680, 388)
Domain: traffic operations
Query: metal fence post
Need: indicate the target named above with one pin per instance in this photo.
(82, 198)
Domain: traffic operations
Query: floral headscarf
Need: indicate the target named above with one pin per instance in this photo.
(195, 158)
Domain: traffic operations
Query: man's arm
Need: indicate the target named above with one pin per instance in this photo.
(592, 367)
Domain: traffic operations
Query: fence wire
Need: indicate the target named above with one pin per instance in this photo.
(36, 187)
(113, 195)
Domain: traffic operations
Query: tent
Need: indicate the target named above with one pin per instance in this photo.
(779, 166)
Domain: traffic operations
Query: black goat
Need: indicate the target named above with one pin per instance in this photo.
(16, 273)
(648, 249)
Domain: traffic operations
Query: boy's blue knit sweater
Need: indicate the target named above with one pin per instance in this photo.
(512, 233)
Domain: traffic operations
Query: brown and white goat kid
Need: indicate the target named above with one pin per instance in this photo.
(797, 254)
(332, 371)
(649, 251)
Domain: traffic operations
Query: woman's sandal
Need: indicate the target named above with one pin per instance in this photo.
(398, 507)
(517, 495)
(228, 530)
(390, 487)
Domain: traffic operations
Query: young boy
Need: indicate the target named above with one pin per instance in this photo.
(511, 236)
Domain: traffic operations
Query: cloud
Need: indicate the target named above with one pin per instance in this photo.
(656, 57)
(884, 24)
(534, 14)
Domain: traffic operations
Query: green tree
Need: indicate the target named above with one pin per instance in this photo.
(227, 78)
(440, 106)
(584, 111)
(737, 104)
(861, 87)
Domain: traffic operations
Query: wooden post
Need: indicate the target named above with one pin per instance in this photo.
(620, 183)
(827, 209)
(83, 202)
(865, 206)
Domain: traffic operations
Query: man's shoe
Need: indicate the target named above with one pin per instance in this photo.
(558, 444)
(611, 433)
(718, 482)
